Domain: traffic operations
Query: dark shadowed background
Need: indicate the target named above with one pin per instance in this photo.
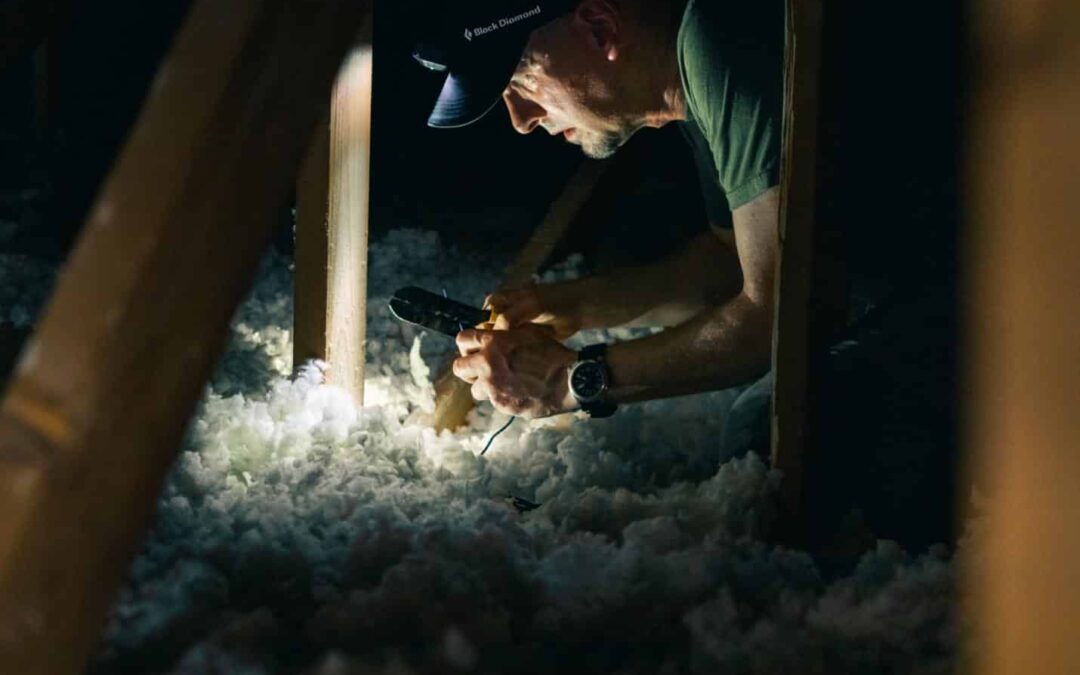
(889, 169)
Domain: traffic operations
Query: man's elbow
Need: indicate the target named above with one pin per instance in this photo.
(756, 318)
(763, 320)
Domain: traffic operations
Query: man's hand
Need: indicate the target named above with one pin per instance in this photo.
(555, 305)
(668, 292)
(522, 371)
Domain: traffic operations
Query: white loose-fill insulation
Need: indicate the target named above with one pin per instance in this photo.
(299, 533)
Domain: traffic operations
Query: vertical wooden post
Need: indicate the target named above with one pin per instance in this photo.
(311, 253)
(1023, 334)
(795, 271)
(332, 232)
(101, 396)
(453, 396)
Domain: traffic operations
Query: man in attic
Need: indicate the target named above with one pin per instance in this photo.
(596, 72)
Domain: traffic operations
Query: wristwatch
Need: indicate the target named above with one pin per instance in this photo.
(589, 381)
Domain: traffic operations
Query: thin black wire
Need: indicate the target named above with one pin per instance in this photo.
(496, 435)
(508, 422)
(487, 474)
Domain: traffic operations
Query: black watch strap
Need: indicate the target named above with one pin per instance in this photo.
(596, 352)
(601, 408)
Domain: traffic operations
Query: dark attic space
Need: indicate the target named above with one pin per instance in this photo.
(248, 499)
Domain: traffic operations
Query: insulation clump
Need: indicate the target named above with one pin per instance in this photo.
(300, 533)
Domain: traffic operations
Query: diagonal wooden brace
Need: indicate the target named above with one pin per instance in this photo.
(453, 396)
(100, 398)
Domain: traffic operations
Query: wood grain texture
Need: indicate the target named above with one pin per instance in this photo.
(795, 271)
(103, 391)
(333, 193)
(453, 397)
(1023, 332)
(347, 224)
(311, 251)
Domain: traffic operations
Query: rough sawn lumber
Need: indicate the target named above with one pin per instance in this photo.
(332, 233)
(94, 413)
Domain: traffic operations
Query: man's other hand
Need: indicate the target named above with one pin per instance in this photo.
(557, 306)
(522, 371)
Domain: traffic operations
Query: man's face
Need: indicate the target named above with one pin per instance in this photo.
(566, 83)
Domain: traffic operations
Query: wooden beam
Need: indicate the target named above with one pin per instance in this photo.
(94, 414)
(795, 271)
(556, 223)
(1023, 384)
(453, 396)
(332, 232)
(311, 254)
(11, 344)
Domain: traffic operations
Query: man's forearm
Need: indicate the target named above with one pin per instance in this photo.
(523, 370)
(719, 348)
(665, 293)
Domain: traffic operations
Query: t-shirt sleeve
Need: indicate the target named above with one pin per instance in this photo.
(731, 55)
(714, 199)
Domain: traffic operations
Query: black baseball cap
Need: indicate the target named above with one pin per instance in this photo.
(479, 43)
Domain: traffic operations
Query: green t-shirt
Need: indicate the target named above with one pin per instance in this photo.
(731, 56)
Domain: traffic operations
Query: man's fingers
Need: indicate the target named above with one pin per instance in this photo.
(517, 314)
(467, 342)
(472, 340)
(497, 301)
(470, 367)
(461, 370)
(479, 391)
(512, 307)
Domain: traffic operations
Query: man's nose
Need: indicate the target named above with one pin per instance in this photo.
(525, 115)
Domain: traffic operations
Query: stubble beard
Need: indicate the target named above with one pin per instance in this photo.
(601, 144)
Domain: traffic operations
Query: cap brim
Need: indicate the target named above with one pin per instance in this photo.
(470, 93)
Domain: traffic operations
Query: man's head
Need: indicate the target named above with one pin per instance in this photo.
(570, 80)
(594, 71)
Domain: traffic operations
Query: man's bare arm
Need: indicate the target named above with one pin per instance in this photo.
(719, 347)
(703, 273)
(523, 371)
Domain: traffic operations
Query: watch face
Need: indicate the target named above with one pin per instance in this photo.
(588, 380)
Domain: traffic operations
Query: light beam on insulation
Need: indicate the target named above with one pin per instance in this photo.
(298, 533)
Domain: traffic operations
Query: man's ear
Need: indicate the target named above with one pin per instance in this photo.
(602, 22)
